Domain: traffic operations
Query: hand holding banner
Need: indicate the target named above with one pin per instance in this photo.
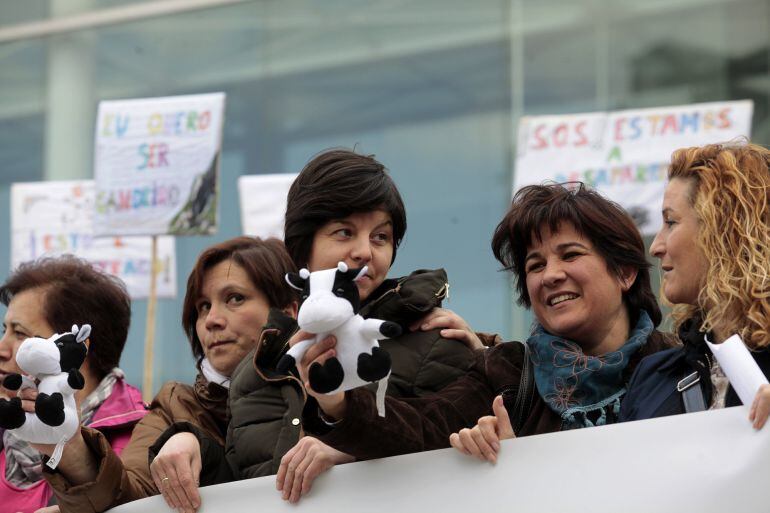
(709, 462)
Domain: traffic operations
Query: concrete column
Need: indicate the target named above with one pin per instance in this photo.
(70, 98)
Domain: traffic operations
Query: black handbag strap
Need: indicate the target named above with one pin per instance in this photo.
(519, 406)
(692, 395)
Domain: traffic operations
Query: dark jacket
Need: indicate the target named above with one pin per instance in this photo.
(413, 425)
(266, 407)
(127, 478)
(653, 387)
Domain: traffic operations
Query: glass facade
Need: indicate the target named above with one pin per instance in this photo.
(433, 88)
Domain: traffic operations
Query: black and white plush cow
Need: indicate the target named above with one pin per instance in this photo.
(330, 307)
(55, 362)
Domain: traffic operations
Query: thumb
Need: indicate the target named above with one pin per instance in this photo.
(504, 428)
(196, 465)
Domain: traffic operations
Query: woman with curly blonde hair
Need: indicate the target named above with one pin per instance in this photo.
(715, 256)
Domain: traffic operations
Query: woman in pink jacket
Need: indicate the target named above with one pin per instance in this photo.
(46, 297)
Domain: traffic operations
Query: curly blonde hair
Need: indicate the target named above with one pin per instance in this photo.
(730, 193)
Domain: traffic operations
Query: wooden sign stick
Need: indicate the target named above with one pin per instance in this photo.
(149, 338)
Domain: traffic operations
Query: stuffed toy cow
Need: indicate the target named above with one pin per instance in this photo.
(330, 307)
(55, 363)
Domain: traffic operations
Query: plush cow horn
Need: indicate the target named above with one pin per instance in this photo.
(83, 333)
(296, 281)
(342, 267)
(361, 273)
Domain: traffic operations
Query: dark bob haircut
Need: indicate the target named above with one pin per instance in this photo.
(266, 262)
(77, 293)
(332, 186)
(605, 223)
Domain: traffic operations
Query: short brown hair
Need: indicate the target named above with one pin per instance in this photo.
(266, 262)
(334, 185)
(77, 293)
(609, 228)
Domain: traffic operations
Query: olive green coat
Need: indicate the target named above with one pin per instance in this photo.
(266, 407)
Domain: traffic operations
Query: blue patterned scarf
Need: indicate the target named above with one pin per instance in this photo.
(582, 389)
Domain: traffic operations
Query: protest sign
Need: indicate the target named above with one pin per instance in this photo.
(54, 218)
(623, 154)
(263, 203)
(709, 462)
(156, 165)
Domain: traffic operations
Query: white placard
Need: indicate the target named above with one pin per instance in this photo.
(708, 462)
(263, 203)
(740, 367)
(623, 154)
(156, 165)
(53, 218)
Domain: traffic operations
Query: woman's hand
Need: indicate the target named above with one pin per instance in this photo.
(176, 472)
(303, 463)
(333, 405)
(760, 408)
(483, 440)
(452, 326)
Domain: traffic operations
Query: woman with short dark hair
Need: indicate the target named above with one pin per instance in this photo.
(579, 264)
(230, 291)
(332, 186)
(48, 296)
(343, 207)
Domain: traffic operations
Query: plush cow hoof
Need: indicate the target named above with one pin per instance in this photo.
(11, 413)
(327, 376)
(286, 363)
(50, 409)
(390, 329)
(375, 366)
(12, 382)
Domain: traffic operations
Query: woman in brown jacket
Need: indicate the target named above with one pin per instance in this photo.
(229, 293)
(580, 265)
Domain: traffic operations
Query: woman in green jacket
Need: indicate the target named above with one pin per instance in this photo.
(342, 207)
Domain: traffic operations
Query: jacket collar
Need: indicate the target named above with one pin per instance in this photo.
(274, 340)
(211, 396)
(123, 407)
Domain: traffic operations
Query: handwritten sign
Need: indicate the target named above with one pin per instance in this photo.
(54, 218)
(156, 165)
(623, 154)
(263, 203)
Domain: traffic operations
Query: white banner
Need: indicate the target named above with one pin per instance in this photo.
(53, 218)
(623, 154)
(157, 164)
(263, 203)
(707, 462)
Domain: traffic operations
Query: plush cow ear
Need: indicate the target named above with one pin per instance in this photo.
(83, 333)
(296, 281)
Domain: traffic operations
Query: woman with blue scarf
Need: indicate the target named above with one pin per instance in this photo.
(579, 264)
